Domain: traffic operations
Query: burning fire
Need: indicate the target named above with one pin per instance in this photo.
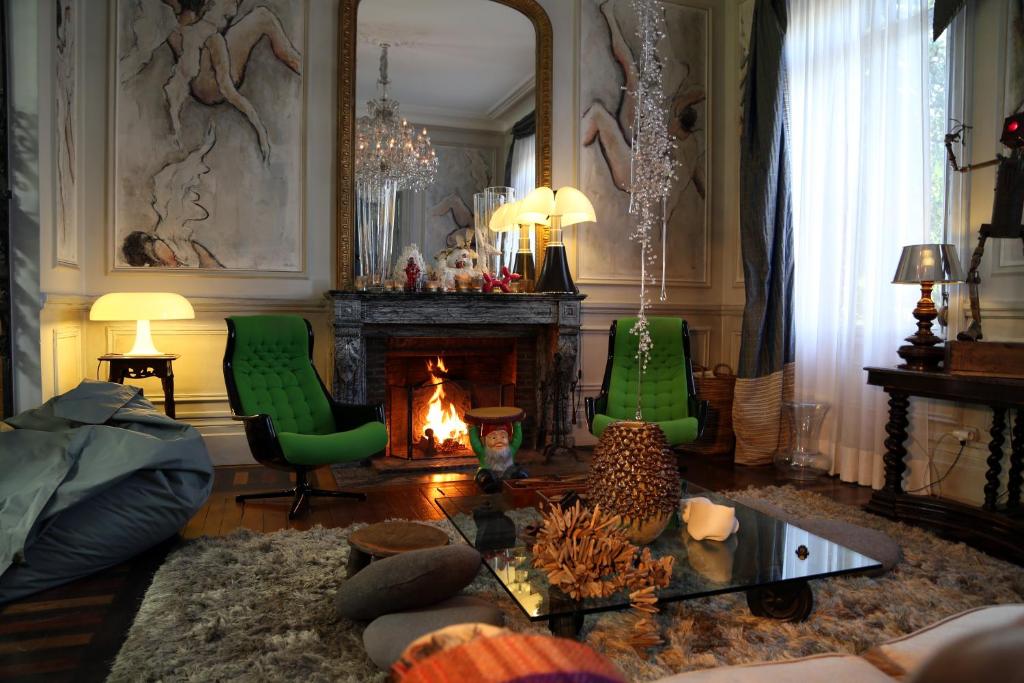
(442, 417)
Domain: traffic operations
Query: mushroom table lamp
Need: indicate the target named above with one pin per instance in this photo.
(926, 265)
(142, 307)
(571, 207)
(534, 209)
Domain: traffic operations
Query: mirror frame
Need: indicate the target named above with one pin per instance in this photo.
(344, 227)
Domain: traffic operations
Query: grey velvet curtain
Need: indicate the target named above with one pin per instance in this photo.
(767, 349)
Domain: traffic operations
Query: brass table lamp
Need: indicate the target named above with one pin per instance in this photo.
(926, 265)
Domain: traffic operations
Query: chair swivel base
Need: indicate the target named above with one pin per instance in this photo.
(300, 495)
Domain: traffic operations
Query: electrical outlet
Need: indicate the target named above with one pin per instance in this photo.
(966, 434)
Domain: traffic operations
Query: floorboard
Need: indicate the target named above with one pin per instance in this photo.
(73, 632)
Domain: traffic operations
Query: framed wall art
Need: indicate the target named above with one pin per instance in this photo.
(209, 136)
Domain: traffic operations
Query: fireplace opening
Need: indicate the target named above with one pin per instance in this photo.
(431, 384)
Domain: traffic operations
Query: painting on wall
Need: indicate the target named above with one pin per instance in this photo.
(66, 123)
(444, 217)
(209, 135)
(608, 57)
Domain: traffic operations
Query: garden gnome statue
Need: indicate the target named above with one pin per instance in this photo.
(496, 434)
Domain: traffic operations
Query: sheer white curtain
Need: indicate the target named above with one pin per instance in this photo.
(524, 179)
(858, 73)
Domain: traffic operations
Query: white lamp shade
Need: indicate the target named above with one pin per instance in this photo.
(573, 206)
(503, 219)
(141, 306)
(536, 206)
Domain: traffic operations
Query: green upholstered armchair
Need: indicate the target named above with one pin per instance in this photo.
(669, 394)
(291, 422)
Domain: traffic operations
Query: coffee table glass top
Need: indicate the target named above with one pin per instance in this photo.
(764, 552)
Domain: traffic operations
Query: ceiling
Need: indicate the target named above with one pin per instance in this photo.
(451, 62)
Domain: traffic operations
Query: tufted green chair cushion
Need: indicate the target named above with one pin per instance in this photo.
(274, 375)
(664, 385)
(322, 449)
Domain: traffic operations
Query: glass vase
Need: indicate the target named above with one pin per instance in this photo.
(504, 242)
(375, 229)
(801, 459)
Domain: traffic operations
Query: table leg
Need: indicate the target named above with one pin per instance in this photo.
(115, 374)
(1016, 462)
(995, 457)
(567, 625)
(357, 560)
(785, 602)
(895, 451)
(167, 383)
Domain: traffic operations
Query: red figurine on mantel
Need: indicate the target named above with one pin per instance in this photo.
(412, 275)
(502, 282)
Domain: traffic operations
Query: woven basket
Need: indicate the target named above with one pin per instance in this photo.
(716, 387)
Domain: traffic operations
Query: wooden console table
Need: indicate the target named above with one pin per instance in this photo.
(140, 367)
(991, 528)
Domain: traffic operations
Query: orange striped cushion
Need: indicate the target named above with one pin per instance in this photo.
(508, 658)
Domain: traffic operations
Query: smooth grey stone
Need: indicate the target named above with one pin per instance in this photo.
(870, 542)
(386, 638)
(408, 581)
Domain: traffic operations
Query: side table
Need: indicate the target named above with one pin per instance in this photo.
(997, 530)
(142, 367)
(385, 539)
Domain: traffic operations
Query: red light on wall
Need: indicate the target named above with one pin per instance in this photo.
(1012, 126)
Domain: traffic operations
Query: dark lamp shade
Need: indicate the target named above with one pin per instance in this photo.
(936, 263)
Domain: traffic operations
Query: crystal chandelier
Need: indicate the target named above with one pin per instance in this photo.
(388, 149)
(390, 156)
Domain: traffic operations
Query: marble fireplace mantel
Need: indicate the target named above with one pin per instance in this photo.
(362, 318)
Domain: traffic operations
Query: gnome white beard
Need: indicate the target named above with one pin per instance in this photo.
(498, 459)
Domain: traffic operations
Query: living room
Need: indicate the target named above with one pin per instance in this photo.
(291, 289)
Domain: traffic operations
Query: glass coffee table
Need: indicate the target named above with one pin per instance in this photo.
(769, 559)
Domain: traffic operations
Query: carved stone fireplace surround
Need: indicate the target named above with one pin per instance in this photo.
(362, 319)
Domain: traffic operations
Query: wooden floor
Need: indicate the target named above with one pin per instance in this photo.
(73, 632)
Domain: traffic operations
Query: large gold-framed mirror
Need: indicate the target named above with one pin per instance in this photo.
(356, 48)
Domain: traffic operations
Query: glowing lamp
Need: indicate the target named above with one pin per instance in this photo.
(142, 307)
(571, 207)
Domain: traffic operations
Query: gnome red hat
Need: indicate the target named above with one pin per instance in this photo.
(487, 428)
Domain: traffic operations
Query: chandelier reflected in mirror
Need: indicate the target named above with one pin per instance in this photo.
(390, 156)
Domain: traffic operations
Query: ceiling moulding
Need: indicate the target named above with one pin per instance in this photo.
(440, 117)
(513, 98)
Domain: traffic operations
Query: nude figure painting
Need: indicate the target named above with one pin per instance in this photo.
(208, 140)
(608, 49)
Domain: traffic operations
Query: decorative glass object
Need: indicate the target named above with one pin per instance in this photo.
(503, 242)
(390, 156)
(801, 459)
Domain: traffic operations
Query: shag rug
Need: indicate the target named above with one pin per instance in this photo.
(260, 607)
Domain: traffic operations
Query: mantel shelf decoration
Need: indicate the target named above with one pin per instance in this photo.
(390, 156)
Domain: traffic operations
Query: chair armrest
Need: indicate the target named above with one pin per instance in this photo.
(594, 405)
(262, 437)
(351, 415)
(702, 417)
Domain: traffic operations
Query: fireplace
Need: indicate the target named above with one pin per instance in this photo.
(432, 382)
(479, 349)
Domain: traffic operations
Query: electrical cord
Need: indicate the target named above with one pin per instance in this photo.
(963, 444)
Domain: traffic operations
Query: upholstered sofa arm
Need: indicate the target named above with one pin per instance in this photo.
(351, 415)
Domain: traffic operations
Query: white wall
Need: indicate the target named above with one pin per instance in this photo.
(60, 345)
(1002, 268)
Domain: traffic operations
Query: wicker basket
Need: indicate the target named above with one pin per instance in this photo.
(716, 387)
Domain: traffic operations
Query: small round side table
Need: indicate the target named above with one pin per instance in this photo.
(386, 539)
(141, 367)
